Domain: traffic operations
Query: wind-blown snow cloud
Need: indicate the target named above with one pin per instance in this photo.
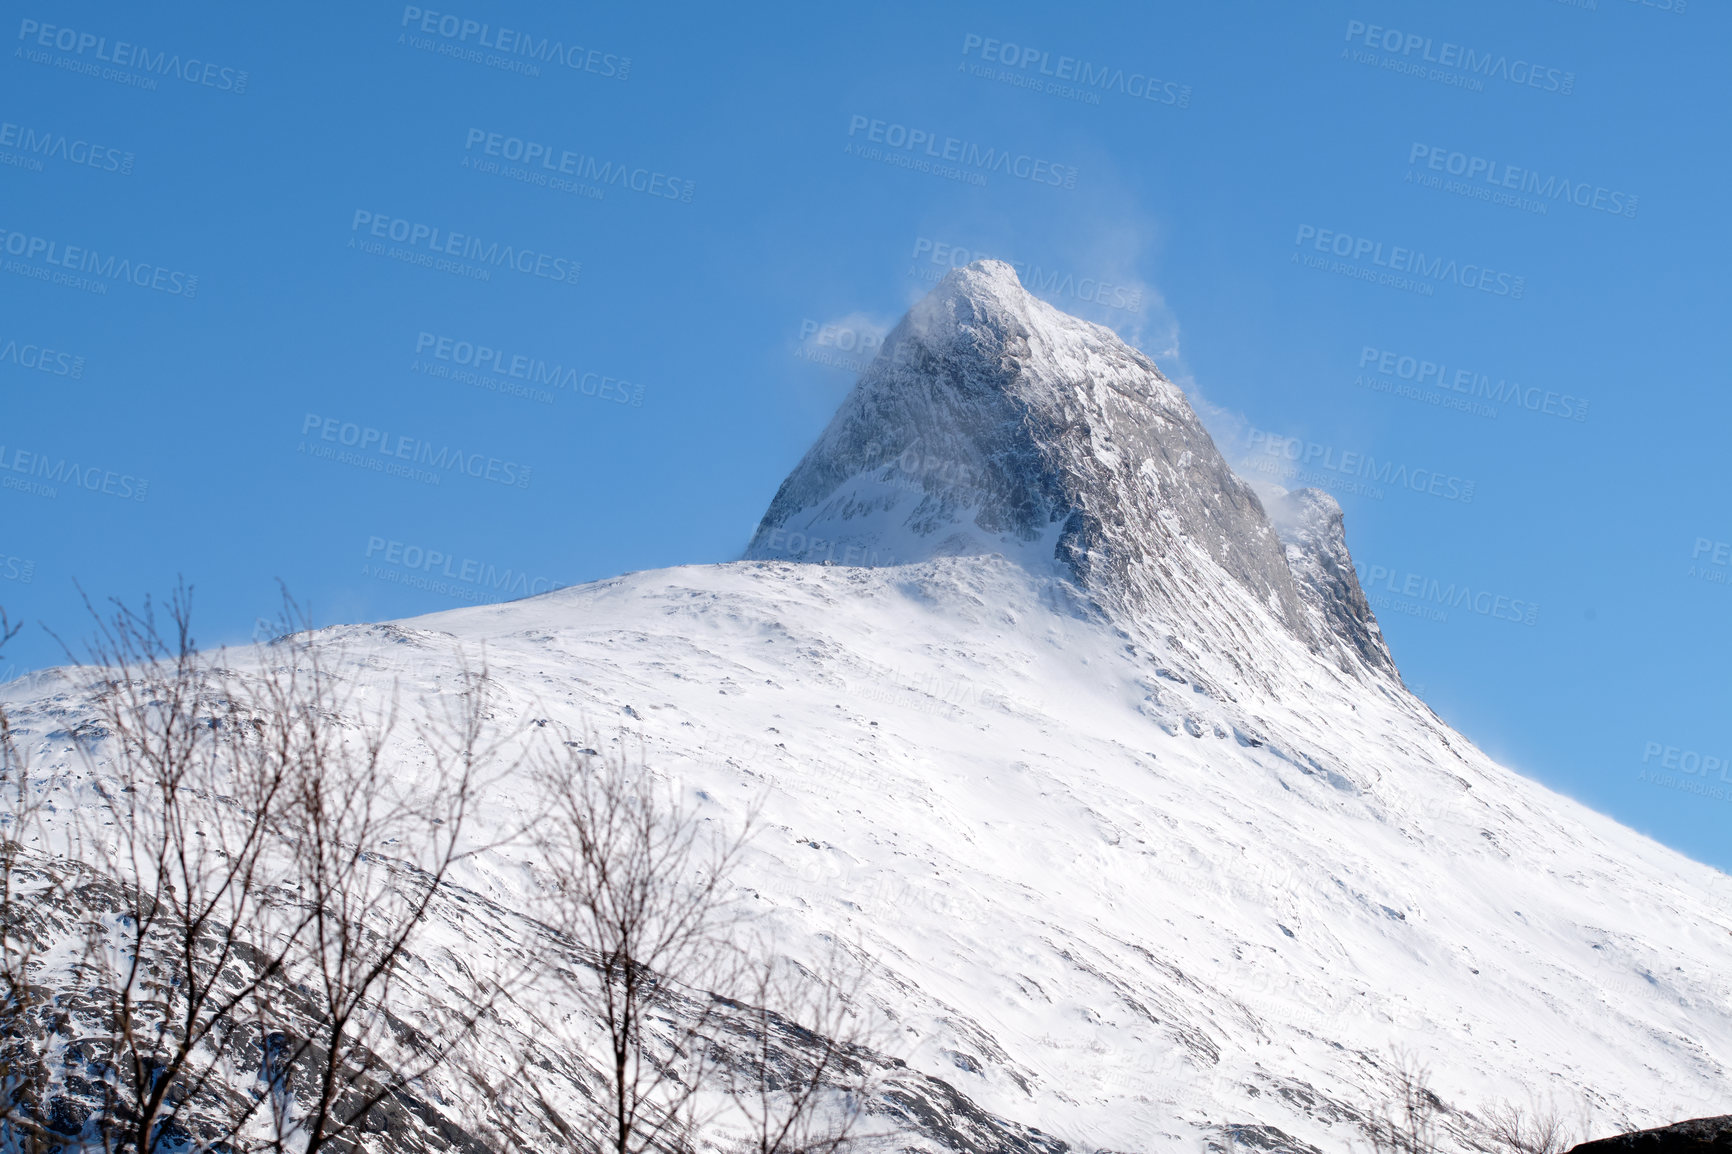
(847, 342)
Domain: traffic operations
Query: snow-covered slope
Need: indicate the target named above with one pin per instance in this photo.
(1109, 771)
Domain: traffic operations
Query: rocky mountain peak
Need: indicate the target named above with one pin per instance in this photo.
(991, 422)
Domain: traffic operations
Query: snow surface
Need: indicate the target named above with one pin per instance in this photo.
(1110, 776)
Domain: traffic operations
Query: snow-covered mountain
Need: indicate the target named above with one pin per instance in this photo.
(1106, 763)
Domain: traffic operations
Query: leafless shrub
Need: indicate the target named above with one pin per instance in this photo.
(804, 1076)
(193, 794)
(1407, 1120)
(242, 901)
(638, 883)
(265, 886)
(703, 1032)
(370, 856)
(1540, 1128)
(25, 885)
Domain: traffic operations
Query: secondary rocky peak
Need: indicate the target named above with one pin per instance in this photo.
(991, 422)
(1312, 529)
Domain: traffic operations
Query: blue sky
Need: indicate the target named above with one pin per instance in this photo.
(1462, 264)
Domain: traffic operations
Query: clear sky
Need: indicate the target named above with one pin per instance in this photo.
(561, 292)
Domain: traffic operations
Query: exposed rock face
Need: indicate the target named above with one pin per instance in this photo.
(991, 422)
(1311, 527)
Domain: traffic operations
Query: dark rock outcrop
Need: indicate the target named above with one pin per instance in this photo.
(1697, 1136)
(1312, 529)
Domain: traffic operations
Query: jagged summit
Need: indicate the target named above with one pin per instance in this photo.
(1312, 527)
(991, 422)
